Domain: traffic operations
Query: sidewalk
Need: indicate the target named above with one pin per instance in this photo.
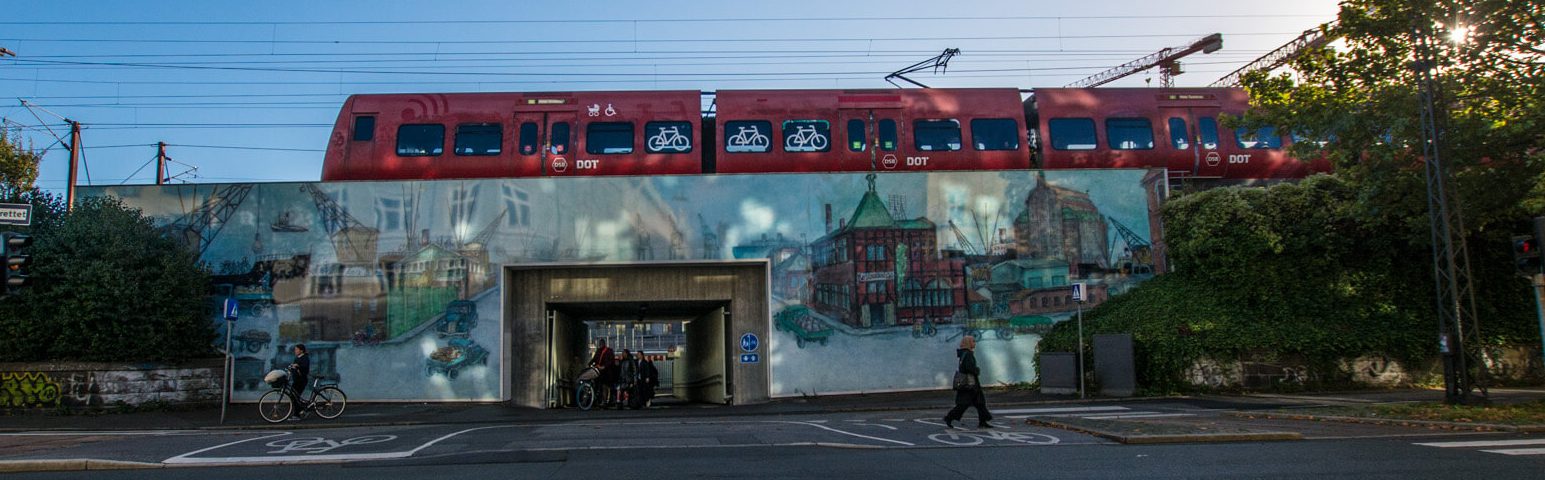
(241, 416)
(244, 415)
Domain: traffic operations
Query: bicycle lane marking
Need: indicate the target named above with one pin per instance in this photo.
(305, 444)
(844, 432)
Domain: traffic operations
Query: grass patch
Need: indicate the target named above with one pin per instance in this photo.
(1531, 413)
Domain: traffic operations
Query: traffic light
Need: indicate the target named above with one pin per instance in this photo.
(1526, 254)
(15, 266)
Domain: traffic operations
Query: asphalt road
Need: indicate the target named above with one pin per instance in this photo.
(906, 444)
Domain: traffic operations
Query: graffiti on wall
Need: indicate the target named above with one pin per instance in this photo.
(391, 285)
(27, 390)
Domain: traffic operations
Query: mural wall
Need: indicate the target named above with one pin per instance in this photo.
(391, 285)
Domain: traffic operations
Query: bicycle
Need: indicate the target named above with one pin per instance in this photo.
(805, 138)
(584, 388)
(671, 138)
(747, 139)
(328, 401)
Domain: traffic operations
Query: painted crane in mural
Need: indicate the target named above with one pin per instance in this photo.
(1141, 250)
(965, 243)
(355, 242)
(198, 228)
(480, 240)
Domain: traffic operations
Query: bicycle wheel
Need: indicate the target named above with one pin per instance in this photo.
(275, 406)
(329, 402)
(584, 396)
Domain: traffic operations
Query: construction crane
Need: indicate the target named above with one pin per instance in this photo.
(1142, 251)
(355, 242)
(1311, 39)
(199, 227)
(481, 239)
(1168, 61)
(965, 243)
(939, 63)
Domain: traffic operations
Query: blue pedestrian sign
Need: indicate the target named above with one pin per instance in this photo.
(1078, 292)
(750, 358)
(230, 309)
(749, 342)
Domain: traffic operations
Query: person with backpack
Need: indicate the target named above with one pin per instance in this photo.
(968, 387)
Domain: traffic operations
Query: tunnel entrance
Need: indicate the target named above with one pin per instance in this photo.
(686, 341)
(686, 317)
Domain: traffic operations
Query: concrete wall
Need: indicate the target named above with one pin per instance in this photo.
(529, 288)
(85, 385)
(704, 358)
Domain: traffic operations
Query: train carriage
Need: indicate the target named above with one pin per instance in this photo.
(493, 135)
(498, 135)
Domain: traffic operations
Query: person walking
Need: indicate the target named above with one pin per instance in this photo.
(968, 393)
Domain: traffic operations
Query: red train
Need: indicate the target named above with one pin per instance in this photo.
(482, 135)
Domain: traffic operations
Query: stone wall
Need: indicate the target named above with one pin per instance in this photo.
(1509, 365)
(79, 385)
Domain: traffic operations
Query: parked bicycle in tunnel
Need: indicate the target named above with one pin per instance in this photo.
(585, 389)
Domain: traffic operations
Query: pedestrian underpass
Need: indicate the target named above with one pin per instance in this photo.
(552, 311)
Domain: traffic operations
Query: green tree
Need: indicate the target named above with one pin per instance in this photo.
(108, 287)
(18, 167)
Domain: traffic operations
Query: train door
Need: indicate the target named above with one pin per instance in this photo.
(1194, 132)
(872, 139)
(362, 140)
(543, 143)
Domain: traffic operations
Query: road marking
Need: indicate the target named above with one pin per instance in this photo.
(1139, 415)
(823, 427)
(1061, 410)
(114, 434)
(1485, 443)
(1519, 451)
(187, 458)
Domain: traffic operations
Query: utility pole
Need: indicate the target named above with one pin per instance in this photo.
(161, 163)
(69, 195)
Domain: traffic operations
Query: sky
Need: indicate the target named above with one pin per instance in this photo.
(248, 91)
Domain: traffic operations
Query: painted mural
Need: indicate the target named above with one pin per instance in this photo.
(392, 285)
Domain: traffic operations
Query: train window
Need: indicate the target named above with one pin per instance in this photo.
(1264, 138)
(995, 134)
(1129, 133)
(609, 138)
(420, 140)
(528, 138)
(1208, 128)
(856, 134)
(888, 135)
(936, 135)
(364, 128)
(558, 138)
(479, 139)
(1179, 137)
(751, 136)
(668, 137)
(1072, 133)
(807, 136)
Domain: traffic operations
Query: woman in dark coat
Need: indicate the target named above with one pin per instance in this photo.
(972, 397)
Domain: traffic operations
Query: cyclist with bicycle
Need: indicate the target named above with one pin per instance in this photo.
(605, 360)
(299, 370)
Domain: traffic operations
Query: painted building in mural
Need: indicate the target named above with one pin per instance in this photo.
(873, 278)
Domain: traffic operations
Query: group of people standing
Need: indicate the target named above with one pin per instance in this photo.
(632, 378)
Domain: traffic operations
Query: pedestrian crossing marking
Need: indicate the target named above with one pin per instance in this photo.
(1485, 443)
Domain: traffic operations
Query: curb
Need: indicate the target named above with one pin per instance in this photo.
(1398, 421)
(1169, 438)
(72, 465)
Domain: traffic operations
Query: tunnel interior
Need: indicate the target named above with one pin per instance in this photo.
(688, 341)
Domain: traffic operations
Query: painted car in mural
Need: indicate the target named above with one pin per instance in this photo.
(873, 277)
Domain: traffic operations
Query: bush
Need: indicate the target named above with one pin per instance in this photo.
(106, 286)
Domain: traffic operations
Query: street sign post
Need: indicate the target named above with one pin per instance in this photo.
(230, 312)
(15, 214)
(1078, 297)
